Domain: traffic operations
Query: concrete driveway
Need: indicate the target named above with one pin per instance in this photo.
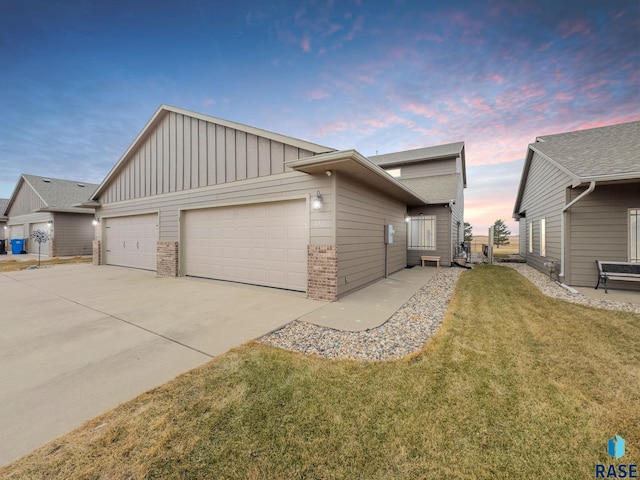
(78, 340)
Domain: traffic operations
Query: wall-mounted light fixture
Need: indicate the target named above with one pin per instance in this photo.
(50, 222)
(316, 202)
(407, 218)
(95, 222)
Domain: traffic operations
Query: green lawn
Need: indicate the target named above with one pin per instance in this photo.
(514, 385)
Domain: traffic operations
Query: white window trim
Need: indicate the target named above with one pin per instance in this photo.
(530, 237)
(432, 218)
(543, 237)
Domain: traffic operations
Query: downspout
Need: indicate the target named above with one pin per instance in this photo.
(591, 188)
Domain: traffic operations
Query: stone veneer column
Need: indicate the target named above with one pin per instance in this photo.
(97, 257)
(322, 272)
(167, 259)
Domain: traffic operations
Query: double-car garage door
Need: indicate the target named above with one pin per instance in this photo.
(260, 244)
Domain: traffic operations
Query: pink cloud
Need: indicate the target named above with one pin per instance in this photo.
(305, 44)
(569, 28)
(419, 109)
(496, 77)
(564, 96)
(318, 94)
(333, 127)
(478, 104)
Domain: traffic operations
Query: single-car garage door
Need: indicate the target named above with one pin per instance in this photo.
(132, 241)
(33, 245)
(261, 244)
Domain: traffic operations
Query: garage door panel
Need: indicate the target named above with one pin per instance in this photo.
(263, 244)
(33, 245)
(132, 241)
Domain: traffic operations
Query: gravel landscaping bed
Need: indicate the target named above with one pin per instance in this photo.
(552, 289)
(406, 332)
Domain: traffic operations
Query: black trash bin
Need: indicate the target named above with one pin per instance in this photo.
(3, 248)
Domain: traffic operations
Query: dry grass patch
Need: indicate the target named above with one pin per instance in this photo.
(15, 265)
(514, 385)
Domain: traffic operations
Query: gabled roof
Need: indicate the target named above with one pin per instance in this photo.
(610, 153)
(595, 153)
(355, 165)
(437, 152)
(56, 194)
(163, 110)
(3, 207)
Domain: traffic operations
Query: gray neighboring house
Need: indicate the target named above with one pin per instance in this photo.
(437, 174)
(51, 205)
(200, 196)
(579, 201)
(3, 219)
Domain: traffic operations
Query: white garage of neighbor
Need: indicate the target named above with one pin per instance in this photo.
(33, 245)
(261, 244)
(131, 241)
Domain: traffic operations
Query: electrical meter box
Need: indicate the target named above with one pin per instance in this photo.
(388, 234)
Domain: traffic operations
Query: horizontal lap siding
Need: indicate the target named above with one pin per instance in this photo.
(544, 196)
(184, 153)
(361, 214)
(457, 219)
(599, 230)
(268, 189)
(426, 168)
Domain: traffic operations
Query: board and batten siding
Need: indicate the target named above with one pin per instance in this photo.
(457, 219)
(184, 153)
(25, 202)
(598, 229)
(73, 234)
(361, 214)
(443, 235)
(544, 196)
(283, 186)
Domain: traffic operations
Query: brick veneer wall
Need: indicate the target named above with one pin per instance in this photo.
(97, 257)
(322, 272)
(167, 259)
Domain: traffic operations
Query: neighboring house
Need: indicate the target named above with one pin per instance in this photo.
(437, 174)
(205, 197)
(3, 219)
(579, 201)
(51, 205)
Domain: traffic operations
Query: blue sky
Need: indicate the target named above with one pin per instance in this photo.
(80, 78)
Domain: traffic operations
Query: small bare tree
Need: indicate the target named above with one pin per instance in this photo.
(41, 237)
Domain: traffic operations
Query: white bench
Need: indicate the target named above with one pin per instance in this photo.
(430, 258)
(620, 271)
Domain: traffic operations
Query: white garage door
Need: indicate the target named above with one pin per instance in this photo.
(33, 245)
(261, 244)
(132, 241)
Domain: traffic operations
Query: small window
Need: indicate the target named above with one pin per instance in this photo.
(634, 235)
(395, 172)
(543, 237)
(530, 237)
(422, 233)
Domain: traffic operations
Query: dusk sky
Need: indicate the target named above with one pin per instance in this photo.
(80, 78)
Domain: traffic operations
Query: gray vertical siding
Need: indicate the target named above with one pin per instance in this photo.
(443, 235)
(544, 196)
(184, 153)
(361, 214)
(598, 229)
(74, 234)
(522, 232)
(25, 202)
(457, 215)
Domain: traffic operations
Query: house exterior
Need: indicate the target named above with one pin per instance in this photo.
(201, 196)
(3, 218)
(437, 174)
(579, 201)
(51, 205)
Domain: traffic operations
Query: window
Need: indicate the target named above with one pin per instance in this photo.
(634, 235)
(543, 237)
(422, 232)
(530, 237)
(394, 172)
